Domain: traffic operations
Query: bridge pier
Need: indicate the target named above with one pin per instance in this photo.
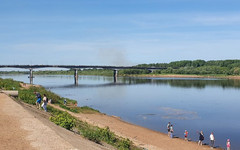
(75, 76)
(31, 76)
(115, 72)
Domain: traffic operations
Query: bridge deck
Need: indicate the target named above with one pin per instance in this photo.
(79, 67)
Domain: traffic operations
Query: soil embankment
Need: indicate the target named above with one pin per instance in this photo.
(25, 127)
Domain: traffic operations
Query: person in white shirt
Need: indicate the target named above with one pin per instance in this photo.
(212, 139)
(44, 104)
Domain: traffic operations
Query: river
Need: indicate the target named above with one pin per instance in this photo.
(210, 105)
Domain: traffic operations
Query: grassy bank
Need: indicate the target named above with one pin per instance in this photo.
(64, 119)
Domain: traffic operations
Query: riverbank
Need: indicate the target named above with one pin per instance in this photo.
(23, 126)
(140, 136)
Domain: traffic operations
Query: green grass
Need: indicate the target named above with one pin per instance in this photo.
(9, 84)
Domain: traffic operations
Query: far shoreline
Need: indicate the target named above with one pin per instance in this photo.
(186, 76)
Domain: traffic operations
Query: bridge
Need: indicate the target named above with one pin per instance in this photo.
(78, 67)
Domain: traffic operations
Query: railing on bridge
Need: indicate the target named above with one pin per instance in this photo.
(77, 67)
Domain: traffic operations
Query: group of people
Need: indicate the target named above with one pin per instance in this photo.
(170, 130)
(201, 136)
(39, 100)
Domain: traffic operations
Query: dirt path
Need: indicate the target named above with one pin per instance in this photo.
(142, 137)
(23, 127)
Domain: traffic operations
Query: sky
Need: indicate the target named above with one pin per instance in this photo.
(117, 32)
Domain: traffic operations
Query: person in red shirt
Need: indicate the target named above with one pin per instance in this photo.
(228, 144)
(186, 135)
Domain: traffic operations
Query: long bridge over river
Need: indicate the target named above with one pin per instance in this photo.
(78, 67)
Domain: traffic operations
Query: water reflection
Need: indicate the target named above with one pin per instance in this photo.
(181, 83)
(185, 83)
(87, 85)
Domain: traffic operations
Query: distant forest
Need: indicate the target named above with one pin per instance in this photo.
(195, 67)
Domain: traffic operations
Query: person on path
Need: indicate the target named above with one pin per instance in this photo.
(168, 128)
(201, 138)
(212, 139)
(171, 131)
(44, 105)
(186, 135)
(65, 102)
(228, 144)
(39, 99)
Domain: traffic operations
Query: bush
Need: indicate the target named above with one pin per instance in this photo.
(124, 144)
(91, 135)
(106, 135)
(27, 96)
(64, 120)
(9, 84)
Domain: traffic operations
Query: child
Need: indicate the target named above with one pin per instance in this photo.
(168, 128)
(186, 135)
(171, 131)
(228, 144)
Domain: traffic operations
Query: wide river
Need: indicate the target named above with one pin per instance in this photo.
(210, 105)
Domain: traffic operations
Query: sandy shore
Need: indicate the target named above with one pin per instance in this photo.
(27, 128)
(141, 137)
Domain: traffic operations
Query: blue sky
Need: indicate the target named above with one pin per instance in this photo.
(118, 32)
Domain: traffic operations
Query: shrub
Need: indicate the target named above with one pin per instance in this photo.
(9, 84)
(64, 120)
(124, 144)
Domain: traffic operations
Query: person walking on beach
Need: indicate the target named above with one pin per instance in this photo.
(212, 139)
(39, 99)
(44, 105)
(201, 138)
(168, 128)
(186, 135)
(171, 131)
(228, 144)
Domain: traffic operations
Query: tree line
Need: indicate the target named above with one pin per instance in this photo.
(198, 67)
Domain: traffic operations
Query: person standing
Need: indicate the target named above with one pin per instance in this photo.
(212, 139)
(44, 105)
(186, 135)
(171, 131)
(228, 144)
(201, 138)
(39, 99)
(168, 128)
